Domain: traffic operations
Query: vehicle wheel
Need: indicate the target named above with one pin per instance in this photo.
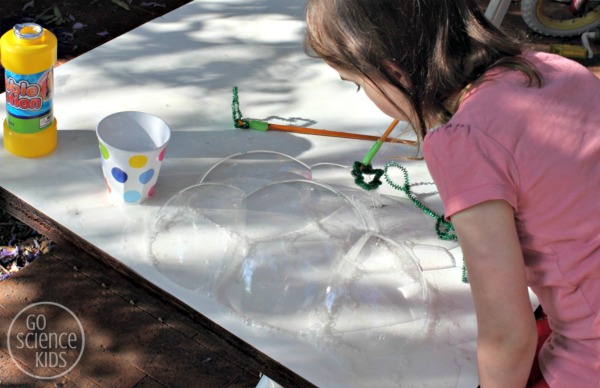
(553, 18)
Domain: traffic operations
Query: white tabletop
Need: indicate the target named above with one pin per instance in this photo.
(182, 67)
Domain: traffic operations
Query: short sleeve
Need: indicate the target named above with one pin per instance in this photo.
(469, 167)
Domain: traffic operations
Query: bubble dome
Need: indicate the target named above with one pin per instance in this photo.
(285, 251)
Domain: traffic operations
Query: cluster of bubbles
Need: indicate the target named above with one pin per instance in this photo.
(283, 250)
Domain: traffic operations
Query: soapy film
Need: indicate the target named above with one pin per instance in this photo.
(296, 255)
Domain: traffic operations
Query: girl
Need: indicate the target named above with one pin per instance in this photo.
(515, 154)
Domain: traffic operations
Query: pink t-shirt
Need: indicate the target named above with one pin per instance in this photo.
(539, 150)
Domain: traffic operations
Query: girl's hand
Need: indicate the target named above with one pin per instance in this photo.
(507, 336)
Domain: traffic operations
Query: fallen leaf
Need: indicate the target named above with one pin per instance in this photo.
(122, 4)
(28, 5)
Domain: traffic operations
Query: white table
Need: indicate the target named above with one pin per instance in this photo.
(182, 67)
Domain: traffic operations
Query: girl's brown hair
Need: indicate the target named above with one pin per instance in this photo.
(440, 47)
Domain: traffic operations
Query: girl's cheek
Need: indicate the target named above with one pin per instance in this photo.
(387, 108)
(379, 101)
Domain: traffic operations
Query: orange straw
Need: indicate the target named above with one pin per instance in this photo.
(263, 126)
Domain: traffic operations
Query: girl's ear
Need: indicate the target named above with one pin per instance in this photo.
(394, 70)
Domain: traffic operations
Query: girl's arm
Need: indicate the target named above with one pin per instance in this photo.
(507, 335)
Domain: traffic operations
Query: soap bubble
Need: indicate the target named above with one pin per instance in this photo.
(291, 207)
(376, 294)
(251, 170)
(195, 235)
(297, 230)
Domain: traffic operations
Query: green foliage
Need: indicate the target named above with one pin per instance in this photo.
(51, 15)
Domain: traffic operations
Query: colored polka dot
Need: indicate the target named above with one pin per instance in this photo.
(104, 151)
(161, 156)
(119, 175)
(107, 185)
(138, 161)
(132, 196)
(151, 191)
(146, 176)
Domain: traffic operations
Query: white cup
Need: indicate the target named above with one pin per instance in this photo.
(132, 148)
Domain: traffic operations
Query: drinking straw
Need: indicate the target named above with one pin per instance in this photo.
(375, 148)
(259, 125)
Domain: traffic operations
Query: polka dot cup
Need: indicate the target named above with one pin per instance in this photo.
(132, 148)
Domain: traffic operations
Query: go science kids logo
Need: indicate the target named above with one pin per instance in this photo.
(45, 340)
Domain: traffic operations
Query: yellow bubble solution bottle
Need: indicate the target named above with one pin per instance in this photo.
(28, 54)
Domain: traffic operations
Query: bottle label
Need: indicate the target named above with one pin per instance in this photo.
(29, 101)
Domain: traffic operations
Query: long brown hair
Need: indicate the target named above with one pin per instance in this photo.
(440, 46)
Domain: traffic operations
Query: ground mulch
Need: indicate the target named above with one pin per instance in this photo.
(132, 339)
